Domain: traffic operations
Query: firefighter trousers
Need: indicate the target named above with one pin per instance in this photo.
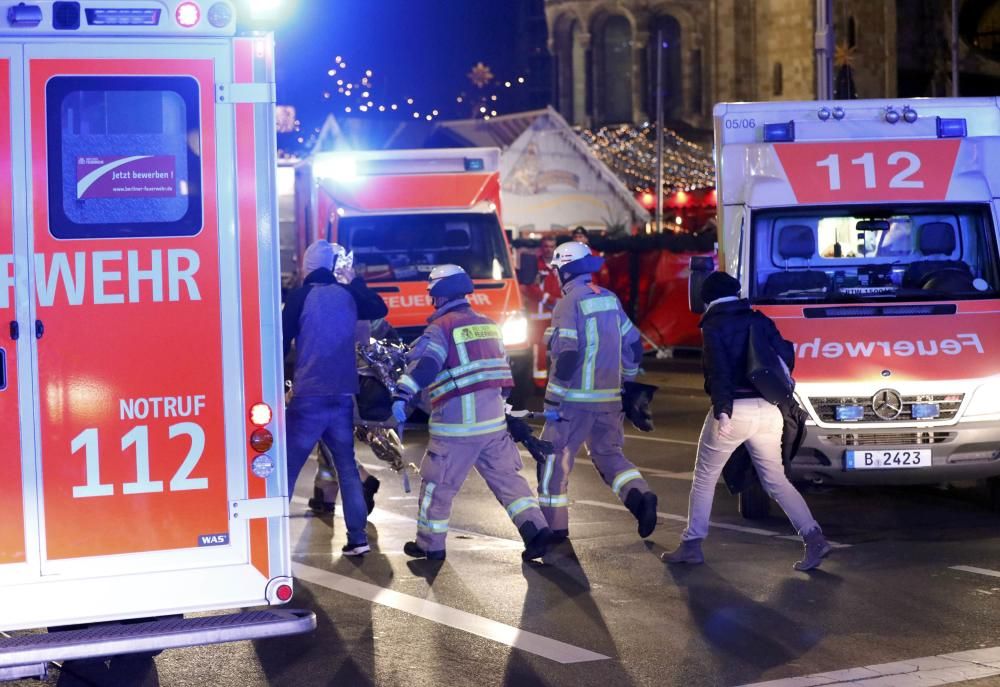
(443, 470)
(604, 435)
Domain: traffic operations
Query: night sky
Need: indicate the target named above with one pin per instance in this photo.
(420, 49)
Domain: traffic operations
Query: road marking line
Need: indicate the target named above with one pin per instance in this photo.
(501, 633)
(718, 525)
(662, 440)
(978, 571)
(668, 474)
(944, 669)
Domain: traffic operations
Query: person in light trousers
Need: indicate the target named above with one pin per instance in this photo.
(740, 415)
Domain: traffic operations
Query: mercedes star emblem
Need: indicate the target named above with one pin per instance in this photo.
(887, 404)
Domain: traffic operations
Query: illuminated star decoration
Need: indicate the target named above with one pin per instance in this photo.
(481, 75)
(843, 56)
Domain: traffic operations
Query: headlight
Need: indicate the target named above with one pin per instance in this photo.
(515, 330)
(985, 400)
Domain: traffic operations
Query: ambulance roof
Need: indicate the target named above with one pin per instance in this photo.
(147, 18)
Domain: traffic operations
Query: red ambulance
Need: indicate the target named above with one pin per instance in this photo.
(401, 212)
(869, 231)
(140, 357)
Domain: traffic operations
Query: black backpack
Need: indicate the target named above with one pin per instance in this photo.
(765, 368)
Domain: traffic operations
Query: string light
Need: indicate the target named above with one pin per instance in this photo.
(630, 152)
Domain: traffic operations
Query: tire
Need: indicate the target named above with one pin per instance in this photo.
(993, 485)
(755, 504)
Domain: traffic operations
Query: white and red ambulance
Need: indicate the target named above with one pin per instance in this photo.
(401, 212)
(868, 231)
(142, 460)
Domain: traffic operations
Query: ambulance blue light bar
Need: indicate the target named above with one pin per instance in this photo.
(123, 16)
(951, 128)
(475, 164)
(782, 132)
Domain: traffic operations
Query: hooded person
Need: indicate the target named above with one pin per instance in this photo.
(459, 362)
(593, 348)
(740, 415)
(319, 318)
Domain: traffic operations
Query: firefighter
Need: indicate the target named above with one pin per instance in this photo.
(461, 363)
(592, 347)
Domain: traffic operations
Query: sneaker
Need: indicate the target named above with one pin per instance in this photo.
(688, 552)
(370, 487)
(355, 549)
(413, 550)
(816, 549)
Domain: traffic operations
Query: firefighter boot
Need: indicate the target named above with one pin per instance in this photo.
(688, 552)
(817, 547)
(643, 506)
(537, 542)
(413, 550)
(370, 487)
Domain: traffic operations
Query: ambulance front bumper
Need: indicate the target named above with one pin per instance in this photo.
(960, 452)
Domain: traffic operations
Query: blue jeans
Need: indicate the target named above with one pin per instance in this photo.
(330, 418)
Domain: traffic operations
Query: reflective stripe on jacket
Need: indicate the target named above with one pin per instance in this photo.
(590, 321)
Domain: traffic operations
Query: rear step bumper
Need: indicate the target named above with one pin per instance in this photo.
(24, 655)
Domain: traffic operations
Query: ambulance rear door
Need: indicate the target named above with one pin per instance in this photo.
(149, 196)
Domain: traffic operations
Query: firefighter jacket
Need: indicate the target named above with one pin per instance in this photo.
(593, 348)
(460, 363)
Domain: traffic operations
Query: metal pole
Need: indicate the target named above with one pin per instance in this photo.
(954, 48)
(659, 131)
(824, 49)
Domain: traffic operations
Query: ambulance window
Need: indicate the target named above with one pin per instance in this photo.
(124, 156)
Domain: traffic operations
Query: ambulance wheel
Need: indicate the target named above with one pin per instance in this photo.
(755, 504)
(993, 484)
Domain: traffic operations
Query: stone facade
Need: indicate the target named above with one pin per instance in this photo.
(720, 50)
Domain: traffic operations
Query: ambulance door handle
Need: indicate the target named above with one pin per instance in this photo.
(15, 330)
(39, 329)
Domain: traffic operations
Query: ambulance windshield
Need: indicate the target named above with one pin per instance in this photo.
(874, 254)
(408, 247)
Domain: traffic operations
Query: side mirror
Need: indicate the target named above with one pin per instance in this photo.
(701, 267)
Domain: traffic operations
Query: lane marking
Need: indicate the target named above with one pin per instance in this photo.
(718, 525)
(662, 440)
(493, 630)
(667, 474)
(943, 669)
(978, 571)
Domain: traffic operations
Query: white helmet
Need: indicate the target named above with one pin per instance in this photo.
(571, 251)
(449, 281)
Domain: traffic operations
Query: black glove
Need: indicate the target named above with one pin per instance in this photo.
(636, 398)
(520, 431)
(538, 448)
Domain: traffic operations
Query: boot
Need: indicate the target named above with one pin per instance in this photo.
(643, 506)
(319, 505)
(538, 546)
(370, 487)
(413, 550)
(688, 552)
(817, 547)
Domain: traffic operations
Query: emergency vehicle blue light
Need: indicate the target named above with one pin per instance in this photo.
(474, 164)
(951, 128)
(925, 411)
(122, 16)
(782, 131)
(849, 413)
(24, 15)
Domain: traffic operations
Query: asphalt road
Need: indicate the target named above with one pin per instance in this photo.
(888, 608)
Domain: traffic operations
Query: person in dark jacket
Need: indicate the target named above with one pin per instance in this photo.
(739, 414)
(320, 317)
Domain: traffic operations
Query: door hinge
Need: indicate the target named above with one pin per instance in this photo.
(251, 509)
(246, 93)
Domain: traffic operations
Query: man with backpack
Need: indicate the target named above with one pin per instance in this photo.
(741, 413)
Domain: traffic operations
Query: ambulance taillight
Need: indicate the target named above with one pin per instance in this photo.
(261, 440)
(260, 414)
(188, 14)
(284, 592)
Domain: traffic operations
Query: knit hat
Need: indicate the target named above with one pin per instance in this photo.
(318, 256)
(719, 285)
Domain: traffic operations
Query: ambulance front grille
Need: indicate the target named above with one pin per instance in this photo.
(888, 439)
(826, 407)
